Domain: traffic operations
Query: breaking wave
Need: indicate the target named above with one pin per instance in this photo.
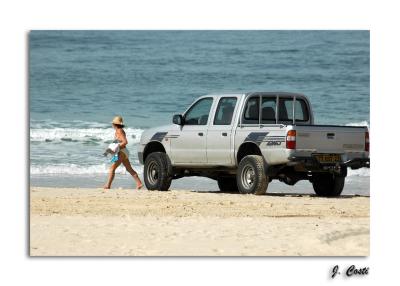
(361, 123)
(81, 134)
(73, 169)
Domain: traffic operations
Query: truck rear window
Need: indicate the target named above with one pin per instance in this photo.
(286, 110)
(301, 111)
(268, 108)
(251, 111)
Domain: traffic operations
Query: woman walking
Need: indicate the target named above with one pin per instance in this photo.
(123, 154)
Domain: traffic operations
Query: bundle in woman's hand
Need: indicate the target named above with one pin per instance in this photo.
(112, 149)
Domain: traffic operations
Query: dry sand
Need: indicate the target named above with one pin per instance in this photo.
(69, 222)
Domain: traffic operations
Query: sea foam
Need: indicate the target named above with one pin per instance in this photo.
(362, 172)
(81, 134)
(73, 169)
(361, 123)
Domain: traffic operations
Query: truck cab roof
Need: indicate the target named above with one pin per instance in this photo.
(271, 93)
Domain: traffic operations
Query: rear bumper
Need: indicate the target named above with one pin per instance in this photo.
(312, 163)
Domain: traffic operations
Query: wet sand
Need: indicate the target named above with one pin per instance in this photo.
(121, 222)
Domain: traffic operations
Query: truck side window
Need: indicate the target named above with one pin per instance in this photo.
(268, 108)
(285, 109)
(301, 111)
(252, 111)
(225, 109)
(198, 113)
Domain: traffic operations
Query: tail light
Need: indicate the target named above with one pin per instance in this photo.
(367, 141)
(291, 139)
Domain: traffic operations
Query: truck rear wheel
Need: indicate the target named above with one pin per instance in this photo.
(228, 185)
(328, 185)
(157, 172)
(251, 178)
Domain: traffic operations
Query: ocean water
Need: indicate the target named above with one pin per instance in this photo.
(79, 80)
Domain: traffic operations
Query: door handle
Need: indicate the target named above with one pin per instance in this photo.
(224, 134)
(200, 134)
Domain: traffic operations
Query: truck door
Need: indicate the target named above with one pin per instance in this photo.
(219, 136)
(189, 147)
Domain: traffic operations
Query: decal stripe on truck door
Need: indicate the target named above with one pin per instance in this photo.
(159, 136)
(259, 137)
(256, 137)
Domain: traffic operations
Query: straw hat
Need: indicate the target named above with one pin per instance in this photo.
(118, 121)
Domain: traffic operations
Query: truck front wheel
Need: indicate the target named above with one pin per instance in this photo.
(328, 185)
(157, 172)
(228, 185)
(251, 178)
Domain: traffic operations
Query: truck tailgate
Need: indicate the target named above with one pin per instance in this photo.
(330, 139)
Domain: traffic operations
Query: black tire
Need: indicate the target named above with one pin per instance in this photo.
(327, 184)
(228, 185)
(251, 177)
(157, 172)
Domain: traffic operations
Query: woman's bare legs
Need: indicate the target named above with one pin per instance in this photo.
(135, 176)
(111, 173)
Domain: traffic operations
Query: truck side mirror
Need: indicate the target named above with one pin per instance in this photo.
(177, 119)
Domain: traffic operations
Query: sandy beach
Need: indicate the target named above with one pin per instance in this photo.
(121, 222)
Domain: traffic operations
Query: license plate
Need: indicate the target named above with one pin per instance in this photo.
(328, 158)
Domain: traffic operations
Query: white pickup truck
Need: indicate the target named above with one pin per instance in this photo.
(244, 141)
